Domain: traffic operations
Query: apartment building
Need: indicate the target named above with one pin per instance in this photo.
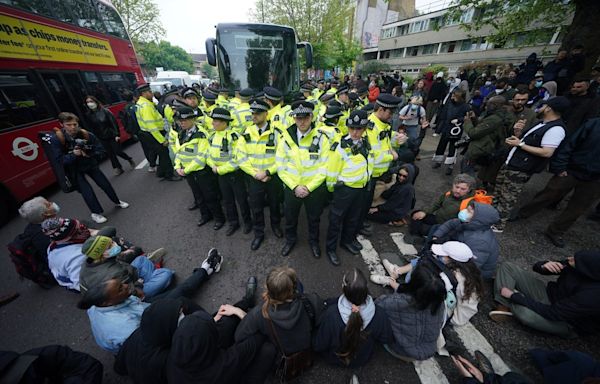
(432, 38)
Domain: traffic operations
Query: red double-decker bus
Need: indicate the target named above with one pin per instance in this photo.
(52, 54)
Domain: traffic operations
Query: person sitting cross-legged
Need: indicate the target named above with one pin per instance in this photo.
(566, 307)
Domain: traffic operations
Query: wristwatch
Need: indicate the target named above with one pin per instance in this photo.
(522, 143)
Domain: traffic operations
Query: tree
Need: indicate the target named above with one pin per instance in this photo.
(163, 54)
(326, 24)
(372, 66)
(141, 19)
(511, 17)
(209, 71)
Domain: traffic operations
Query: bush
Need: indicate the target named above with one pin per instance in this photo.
(372, 66)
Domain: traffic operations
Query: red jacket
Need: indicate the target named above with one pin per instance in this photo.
(373, 94)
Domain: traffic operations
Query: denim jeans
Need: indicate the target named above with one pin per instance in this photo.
(155, 280)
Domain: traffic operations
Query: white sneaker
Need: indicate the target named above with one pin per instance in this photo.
(381, 280)
(390, 268)
(98, 218)
(497, 229)
(122, 204)
(151, 169)
(434, 134)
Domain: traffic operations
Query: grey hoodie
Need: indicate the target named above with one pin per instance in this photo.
(478, 235)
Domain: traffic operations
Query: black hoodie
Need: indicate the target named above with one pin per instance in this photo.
(196, 357)
(144, 354)
(400, 197)
(574, 296)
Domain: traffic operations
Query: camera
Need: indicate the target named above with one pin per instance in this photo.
(82, 145)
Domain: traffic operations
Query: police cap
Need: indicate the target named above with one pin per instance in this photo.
(273, 93)
(223, 90)
(368, 108)
(260, 95)
(258, 106)
(341, 90)
(321, 81)
(298, 97)
(183, 113)
(306, 87)
(325, 97)
(363, 90)
(220, 114)
(187, 92)
(386, 100)
(247, 93)
(209, 96)
(143, 87)
(335, 81)
(335, 103)
(357, 119)
(333, 112)
(353, 96)
(302, 109)
(213, 91)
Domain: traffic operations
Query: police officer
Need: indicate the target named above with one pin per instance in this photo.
(209, 100)
(320, 90)
(349, 169)
(259, 148)
(242, 114)
(223, 98)
(190, 162)
(379, 133)
(329, 125)
(224, 159)
(152, 132)
(301, 164)
(274, 98)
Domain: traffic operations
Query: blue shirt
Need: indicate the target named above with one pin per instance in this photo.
(112, 325)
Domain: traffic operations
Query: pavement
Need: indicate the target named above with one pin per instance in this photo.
(158, 217)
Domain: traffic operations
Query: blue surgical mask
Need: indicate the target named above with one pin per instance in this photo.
(114, 251)
(538, 83)
(414, 107)
(464, 216)
(55, 208)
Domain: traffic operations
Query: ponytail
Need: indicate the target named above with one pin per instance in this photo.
(351, 338)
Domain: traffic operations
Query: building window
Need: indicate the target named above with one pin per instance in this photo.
(397, 52)
(385, 54)
(388, 33)
(469, 45)
(448, 47)
(429, 49)
(412, 51)
(419, 26)
(403, 29)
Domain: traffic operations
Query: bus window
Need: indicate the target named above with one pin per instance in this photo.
(61, 10)
(95, 87)
(113, 22)
(115, 84)
(20, 101)
(59, 93)
(86, 15)
(36, 6)
(131, 80)
(73, 83)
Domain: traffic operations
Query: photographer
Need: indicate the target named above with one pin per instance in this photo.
(79, 152)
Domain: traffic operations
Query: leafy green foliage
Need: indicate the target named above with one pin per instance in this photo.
(209, 71)
(163, 54)
(372, 66)
(142, 20)
(323, 23)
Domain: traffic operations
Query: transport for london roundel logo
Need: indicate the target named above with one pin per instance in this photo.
(25, 149)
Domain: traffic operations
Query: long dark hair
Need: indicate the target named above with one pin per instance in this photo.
(96, 295)
(280, 288)
(473, 281)
(95, 99)
(356, 291)
(426, 288)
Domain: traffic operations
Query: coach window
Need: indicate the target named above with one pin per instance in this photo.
(20, 101)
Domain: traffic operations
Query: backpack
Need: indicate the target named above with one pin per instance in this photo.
(480, 196)
(129, 120)
(29, 263)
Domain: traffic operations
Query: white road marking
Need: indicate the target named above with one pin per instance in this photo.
(473, 340)
(142, 164)
(371, 257)
(430, 372)
(405, 249)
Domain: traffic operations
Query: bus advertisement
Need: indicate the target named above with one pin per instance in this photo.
(257, 55)
(52, 54)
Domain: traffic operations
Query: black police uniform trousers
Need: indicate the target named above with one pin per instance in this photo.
(367, 200)
(165, 167)
(257, 191)
(205, 187)
(313, 205)
(344, 215)
(233, 189)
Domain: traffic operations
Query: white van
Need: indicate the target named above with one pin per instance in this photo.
(177, 78)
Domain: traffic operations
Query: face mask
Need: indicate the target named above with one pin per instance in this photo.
(488, 83)
(114, 251)
(538, 83)
(448, 82)
(499, 91)
(464, 216)
(414, 107)
(181, 316)
(92, 105)
(55, 208)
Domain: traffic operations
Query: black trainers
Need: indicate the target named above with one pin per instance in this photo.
(212, 264)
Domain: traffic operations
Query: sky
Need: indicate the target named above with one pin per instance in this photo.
(190, 22)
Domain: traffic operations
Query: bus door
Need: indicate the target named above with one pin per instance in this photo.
(66, 90)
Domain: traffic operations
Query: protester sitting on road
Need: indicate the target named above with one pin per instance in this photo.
(566, 307)
(399, 199)
(49, 364)
(416, 313)
(352, 324)
(35, 211)
(64, 253)
(445, 208)
(114, 314)
(485, 373)
(473, 227)
(102, 264)
(558, 367)
(287, 318)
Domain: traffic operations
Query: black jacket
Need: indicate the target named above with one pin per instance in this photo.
(331, 327)
(290, 320)
(451, 111)
(437, 92)
(580, 110)
(580, 153)
(103, 123)
(38, 239)
(63, 154)
(400, 197)
(574, 296)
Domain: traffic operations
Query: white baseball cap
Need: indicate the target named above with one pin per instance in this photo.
(455, 250)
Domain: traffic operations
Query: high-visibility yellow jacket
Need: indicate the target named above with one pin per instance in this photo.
(207, 119)
(304, 161)
(192, 150)
(379, 134)
(276, 117)
(234, 103)
(242, 118)
(331, 131)
(149, 119)
(259, 150)
(349, 164)
(331, 90)
(223, 152)
(222, 102)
